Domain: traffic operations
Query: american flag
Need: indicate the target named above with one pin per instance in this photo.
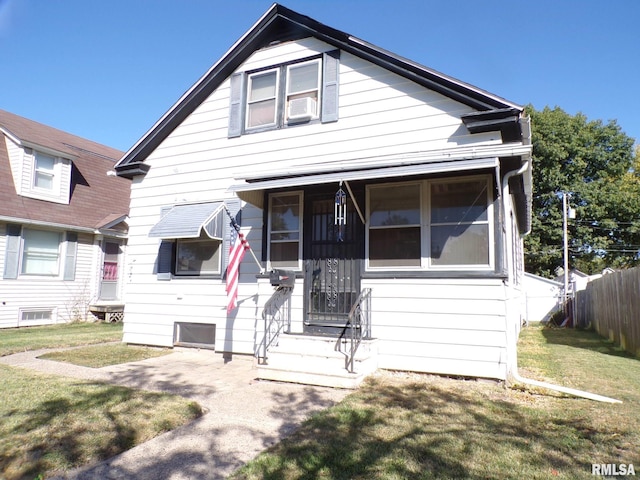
(238, 247)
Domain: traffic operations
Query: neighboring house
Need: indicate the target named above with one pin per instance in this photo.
(435, 177)
(543, 297)
(62, 225)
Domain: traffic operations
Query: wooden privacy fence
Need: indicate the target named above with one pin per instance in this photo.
(611, 304)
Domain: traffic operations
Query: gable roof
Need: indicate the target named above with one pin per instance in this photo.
(96, 198)
(282, 24)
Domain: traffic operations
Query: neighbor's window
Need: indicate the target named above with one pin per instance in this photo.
(459, 220)
(285, 226)
(40, 252)
(262, 96)
(394, 226)
(198, 256)
(44, 171)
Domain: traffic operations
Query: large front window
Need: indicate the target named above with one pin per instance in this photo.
(394, 226)
(198, 256)
(459, 223)
(285, 226)
(41, 252)
(431, 224)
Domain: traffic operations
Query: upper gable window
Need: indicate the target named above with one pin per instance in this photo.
(303, 91)
(283, 95)
(262, 99)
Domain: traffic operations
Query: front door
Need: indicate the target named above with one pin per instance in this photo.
(333, 264)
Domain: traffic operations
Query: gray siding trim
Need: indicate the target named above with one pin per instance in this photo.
(330, 86)
(12, 252)
(70, 258)
(236, 104)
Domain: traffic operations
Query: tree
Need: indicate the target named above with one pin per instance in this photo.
(595, 164)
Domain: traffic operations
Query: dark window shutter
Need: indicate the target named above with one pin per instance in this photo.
(235, 105)
(165, 260)
(330, 81)
(233, 205)
(12, 251)
(70, 257)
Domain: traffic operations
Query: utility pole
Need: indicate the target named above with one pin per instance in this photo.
(566, 211)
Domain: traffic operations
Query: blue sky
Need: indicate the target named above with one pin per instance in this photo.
(107, 70)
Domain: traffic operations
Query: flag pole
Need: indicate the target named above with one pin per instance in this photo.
(237, 227)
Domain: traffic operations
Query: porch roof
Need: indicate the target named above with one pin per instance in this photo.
(188, 221)
(253, 191)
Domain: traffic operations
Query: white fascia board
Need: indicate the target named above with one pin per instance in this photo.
(397, 160)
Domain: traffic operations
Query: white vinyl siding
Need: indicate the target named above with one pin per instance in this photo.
(382, 116)
(68, 300)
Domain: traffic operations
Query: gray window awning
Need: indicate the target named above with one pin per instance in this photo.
(253, 192)
(188, 221)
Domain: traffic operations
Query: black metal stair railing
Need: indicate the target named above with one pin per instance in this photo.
(358, 325)
(277, 318)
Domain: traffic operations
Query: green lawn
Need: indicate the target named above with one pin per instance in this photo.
(13, 340)
(49, 424)
(400, 426)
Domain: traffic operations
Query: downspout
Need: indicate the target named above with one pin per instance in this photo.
(513, 371)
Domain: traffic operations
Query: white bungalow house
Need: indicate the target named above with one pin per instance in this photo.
(62, 226)
(383, 200)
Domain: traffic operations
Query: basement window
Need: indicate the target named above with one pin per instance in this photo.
(200, 335)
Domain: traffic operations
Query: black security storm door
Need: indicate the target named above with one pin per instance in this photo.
(333, 256)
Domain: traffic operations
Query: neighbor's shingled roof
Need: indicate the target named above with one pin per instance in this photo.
(95, 197)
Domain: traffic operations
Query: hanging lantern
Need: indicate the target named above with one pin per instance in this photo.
(340, 212)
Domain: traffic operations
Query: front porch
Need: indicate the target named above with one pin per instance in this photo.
(334, 355)
(318, 360)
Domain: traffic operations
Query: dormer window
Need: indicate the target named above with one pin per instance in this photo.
(45, 175)
(44, 171)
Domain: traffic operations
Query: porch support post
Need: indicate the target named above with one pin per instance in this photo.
(355, 202)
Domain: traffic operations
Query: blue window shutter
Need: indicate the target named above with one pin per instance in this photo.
(330, 82)
(236, 105)
(70, 257)
(233, 205)
(165, 260)
(12, 252)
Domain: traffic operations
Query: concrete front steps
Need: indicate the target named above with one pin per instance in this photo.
(315, 360)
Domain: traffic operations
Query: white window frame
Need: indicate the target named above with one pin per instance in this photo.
(198, 273)
(425, 227)
(307, 92)
(299, 194)
(249, 102)
(420, 225)
(23, 252)
(54, 173)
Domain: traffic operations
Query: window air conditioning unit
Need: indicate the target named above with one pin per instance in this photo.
(301, 109)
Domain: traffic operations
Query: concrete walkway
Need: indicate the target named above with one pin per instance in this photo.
(243, 416)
